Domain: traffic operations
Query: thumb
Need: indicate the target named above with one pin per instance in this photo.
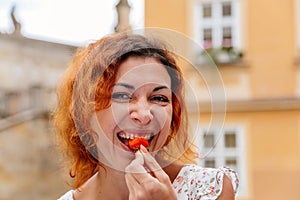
(136, 165)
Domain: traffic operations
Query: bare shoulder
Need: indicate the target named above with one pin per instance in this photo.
(227, 191)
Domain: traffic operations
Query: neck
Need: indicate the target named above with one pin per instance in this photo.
(107, 183)
(113, 184)
(172, 170)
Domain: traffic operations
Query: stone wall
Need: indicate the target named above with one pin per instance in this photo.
(30, 166)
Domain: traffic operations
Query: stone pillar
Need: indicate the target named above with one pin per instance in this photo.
(123, 11)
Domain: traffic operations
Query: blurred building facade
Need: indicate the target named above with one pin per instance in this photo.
(255, 45)
(30, 164)
(29, 71)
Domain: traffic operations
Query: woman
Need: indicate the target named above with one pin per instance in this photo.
(120, 89)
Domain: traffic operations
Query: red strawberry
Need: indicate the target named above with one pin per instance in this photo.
(134, 144)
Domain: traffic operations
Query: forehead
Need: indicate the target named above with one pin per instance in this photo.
(140, 71)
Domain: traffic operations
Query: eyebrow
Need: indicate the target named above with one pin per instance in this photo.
(133, 88)
(125, 85)
(160, 88)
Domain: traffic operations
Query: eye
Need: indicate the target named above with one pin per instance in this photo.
(121, 96)
(161, 99)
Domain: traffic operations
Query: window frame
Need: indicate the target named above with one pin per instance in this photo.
(217, 22)
(217, 153)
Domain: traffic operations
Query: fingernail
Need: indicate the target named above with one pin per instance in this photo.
(143, 149)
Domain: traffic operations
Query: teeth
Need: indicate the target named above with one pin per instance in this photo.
(132, 136)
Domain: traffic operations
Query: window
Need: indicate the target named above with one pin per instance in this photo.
(3, 105)
(217, 23)
(227, 37)
(226, 9)
(207, 38)
(209, 140)
(210, 163)
(206, 10)
(230, 139)
(225, 148)
(231, 162)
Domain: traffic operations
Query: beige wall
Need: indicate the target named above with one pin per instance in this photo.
(275, 154)
(271, 48)
(166, 14)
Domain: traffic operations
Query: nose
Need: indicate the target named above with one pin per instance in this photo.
(141, 112)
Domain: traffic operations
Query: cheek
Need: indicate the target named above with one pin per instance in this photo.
(164, 117)
(106, 121)
(119, 111)
(109, 118)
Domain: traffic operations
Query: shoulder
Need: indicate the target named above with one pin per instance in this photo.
(67, 196)
(197, 182)
(227, 190)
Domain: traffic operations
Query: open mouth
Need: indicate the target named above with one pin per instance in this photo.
(125, 138)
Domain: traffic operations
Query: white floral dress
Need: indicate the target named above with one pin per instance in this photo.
(195, 183)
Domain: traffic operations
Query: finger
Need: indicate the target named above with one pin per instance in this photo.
(143, 149)
(153, 166)
(131, 183)
(133, 187)
(139, 173)
(137, 190)
(149, 159)
(137, 170)
(137, 165)
(139, 187)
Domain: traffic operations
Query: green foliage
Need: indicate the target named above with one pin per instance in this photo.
(224, 55)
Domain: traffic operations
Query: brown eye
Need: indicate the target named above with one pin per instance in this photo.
(121, 96)
(161, 99)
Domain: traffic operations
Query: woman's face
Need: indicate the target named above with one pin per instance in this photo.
(141, 106)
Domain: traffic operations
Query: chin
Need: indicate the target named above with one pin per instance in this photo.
(115, 158)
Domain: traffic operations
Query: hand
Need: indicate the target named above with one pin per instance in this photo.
(146, 180)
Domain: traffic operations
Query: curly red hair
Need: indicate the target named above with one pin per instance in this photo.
(86, 88)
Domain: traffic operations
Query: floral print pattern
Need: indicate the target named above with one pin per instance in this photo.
(195, 183)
